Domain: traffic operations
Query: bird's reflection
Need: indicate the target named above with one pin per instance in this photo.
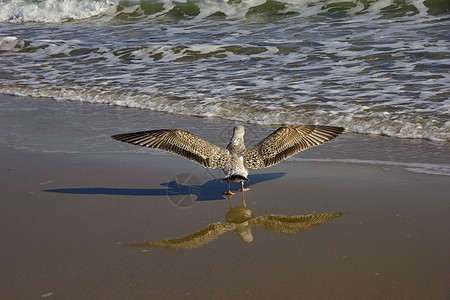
(240, 219)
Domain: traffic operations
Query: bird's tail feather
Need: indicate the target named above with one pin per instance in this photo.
(235, 178)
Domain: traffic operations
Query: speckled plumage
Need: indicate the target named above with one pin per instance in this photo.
(235, 160)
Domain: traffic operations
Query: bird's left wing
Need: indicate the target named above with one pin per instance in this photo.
(180, 142)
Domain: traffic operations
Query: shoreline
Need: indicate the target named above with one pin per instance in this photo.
(73, 201)
(86, 128)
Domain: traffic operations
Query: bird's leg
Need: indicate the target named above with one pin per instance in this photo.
(229, 193)
(242, 187)
(243, 200)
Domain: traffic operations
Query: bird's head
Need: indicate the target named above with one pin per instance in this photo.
(239, 131)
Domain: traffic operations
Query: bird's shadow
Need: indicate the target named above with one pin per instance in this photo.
(211, 190)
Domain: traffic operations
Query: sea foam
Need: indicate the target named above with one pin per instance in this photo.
(52, 11)
(56, 11)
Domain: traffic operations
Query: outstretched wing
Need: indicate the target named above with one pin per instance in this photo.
(191, 241)
(180, 142)
(294, 224)
(287, 141)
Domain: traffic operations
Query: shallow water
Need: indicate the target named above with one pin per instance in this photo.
(85, 128)
(377, 67)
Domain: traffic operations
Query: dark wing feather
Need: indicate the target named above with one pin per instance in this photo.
(287, 141)
(179, 142)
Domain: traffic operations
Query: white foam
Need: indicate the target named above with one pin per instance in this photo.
(10, 43)
(357, 118)
(55, 11)
(52, 11)
(376, 6)
(419, 5)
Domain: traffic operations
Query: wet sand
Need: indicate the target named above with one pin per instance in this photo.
(72, 202)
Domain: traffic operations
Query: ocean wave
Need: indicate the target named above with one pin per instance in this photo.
(371, 73)
(52, 11)
(300, 91)
(57, 11)
(404, 126)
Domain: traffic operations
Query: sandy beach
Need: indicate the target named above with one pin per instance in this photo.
(73, 201)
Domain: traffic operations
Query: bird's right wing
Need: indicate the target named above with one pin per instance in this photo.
(287, 141)
(180, 142)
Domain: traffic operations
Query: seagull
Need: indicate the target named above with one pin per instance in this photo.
(235, 160)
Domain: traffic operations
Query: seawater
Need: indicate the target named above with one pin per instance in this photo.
(378, 67)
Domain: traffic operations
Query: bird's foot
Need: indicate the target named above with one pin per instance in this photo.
(244, 190)
(229, 193)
